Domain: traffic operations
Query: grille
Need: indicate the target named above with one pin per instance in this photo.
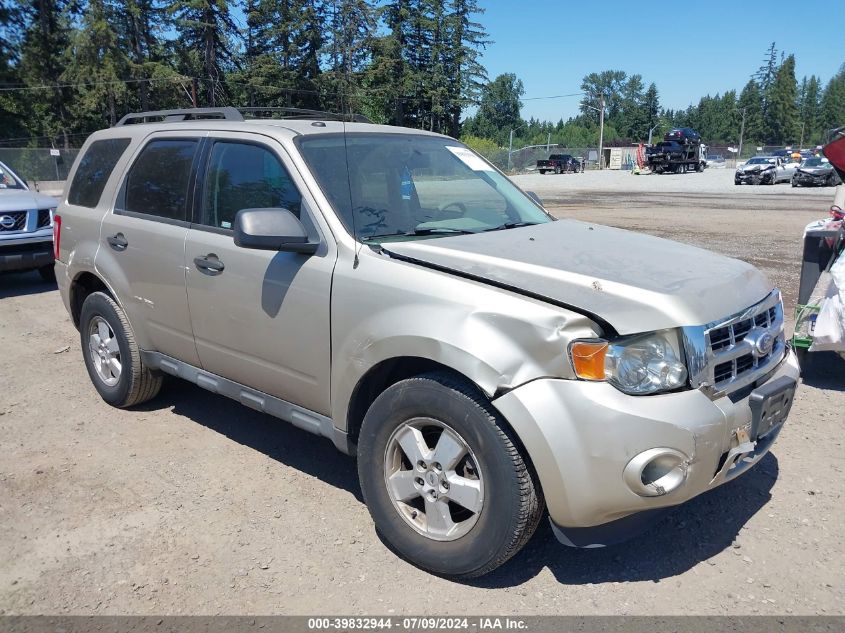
(746, 346)
(43, 218)
(19, 218)
(734, 353)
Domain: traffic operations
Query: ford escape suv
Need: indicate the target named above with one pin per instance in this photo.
(390, 290)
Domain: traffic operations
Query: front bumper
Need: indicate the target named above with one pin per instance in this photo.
(752, 178)
(26, 254)
(811, 180)
(581, 436)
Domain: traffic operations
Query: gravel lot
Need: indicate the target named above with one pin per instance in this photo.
(194, 504)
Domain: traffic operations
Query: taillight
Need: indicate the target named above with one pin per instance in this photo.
(57, 235)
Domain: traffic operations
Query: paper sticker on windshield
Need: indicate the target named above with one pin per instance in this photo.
(469, 159)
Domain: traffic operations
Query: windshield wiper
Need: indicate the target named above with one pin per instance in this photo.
(429, 230)
(511, 225)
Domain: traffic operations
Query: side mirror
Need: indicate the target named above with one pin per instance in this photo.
(272, 230)
(534, 197)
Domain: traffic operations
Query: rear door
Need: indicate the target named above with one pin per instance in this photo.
(260, 318)
(142, 249)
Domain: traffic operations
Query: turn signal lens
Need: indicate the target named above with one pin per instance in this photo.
(588, 359)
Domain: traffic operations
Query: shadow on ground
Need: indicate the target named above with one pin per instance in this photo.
(278, 440)
(16, 284)
(689, 535)
(824, 370)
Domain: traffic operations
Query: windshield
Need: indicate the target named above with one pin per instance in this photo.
(761, 161)
(404, 186)
(7, 179)
(813, 162)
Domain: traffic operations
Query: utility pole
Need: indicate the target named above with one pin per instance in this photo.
(549, 139)
(741, 133)
(510, 149)
(801, 145)
(601, 133)
(194, 91)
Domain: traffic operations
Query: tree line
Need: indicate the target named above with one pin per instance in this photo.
(69, 67)
(772, 109)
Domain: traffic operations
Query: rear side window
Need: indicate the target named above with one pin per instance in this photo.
(245, 176)
(157, 183)
(94, 170)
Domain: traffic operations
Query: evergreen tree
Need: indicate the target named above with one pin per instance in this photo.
(283, 43)
(765, 77)
(499, 110)
(46, 36)
(351, 26)
(833, 102)
(11, 102)
(206, 45)
(97, 62)
(809, 108)
(751, 103)
(468, 77)
(782, 113)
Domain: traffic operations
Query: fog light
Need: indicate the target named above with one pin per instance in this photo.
(656, 472)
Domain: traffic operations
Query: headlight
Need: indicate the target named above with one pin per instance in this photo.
(638, 365)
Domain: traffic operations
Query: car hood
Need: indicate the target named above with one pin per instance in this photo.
(634, 282)
(754, 167)
(21, 199)
(816, 170)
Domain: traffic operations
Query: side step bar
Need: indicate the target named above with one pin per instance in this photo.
(300, 417)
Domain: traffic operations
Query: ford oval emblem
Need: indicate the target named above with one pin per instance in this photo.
(764, 344)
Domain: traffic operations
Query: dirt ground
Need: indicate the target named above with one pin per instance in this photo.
(193, 504)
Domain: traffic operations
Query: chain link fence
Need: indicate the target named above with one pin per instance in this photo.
(35, 164)
(525, 159)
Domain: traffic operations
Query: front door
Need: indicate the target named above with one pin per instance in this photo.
(143, 245)
(260, 318)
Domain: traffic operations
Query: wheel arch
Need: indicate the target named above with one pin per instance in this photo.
(84, 284)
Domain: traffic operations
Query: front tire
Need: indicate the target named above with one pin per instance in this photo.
(111, 354)
(444, 479)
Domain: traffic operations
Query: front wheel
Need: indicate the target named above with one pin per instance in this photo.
(443, 478)
(542, 172)
(111, 354)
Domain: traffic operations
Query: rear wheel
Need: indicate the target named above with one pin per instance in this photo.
(557, 169)
(443, 478)
(542, 172)
(111, 355)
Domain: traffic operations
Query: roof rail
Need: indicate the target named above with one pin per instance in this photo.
(185, 114)
(300, 113)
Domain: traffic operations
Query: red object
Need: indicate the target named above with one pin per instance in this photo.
(835, 150)
(57, 235)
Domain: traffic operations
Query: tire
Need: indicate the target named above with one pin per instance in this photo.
(475, 543)
(48, 273)
(557, 169)
(542, 172)
(792, 181)
(134, 382)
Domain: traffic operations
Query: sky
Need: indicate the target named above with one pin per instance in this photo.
(688, 49)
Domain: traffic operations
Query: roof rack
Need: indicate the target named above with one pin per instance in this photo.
(300, 113)
(186, 114)
(236, 114)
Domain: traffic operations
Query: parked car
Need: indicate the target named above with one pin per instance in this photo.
(765, 170)
(715, 161)
(389, 289)
(26, 226)
(815, 172)
(684, 135)
(559, 164)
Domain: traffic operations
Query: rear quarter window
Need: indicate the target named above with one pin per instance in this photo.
(94, 169)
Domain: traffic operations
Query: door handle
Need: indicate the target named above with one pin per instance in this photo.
(118, 242)
(209, 263)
